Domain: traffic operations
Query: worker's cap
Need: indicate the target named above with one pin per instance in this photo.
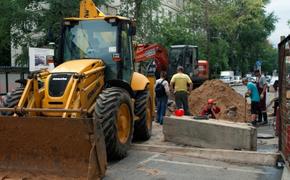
(211, 101)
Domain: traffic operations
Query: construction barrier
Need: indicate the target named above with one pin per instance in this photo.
(284, 98)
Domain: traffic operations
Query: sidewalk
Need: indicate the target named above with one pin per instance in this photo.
(267, 141)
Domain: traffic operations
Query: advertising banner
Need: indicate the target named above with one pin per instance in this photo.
(39, 57)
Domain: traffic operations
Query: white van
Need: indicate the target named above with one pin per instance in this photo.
(227, 77)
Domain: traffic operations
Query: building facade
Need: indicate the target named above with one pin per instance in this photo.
(168, 8)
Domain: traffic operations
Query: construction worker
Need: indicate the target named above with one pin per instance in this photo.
(276, 99)
(261, 84)
(211, 109)
(253, 93)
(179, 84)
(162, 92)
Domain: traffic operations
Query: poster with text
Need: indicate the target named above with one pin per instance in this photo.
(38, 58)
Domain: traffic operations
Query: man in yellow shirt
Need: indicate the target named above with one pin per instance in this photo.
(179, 83)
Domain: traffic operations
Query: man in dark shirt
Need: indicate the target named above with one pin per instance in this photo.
(262, 88)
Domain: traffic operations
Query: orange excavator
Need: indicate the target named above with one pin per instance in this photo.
(150, 59)
(203, 70)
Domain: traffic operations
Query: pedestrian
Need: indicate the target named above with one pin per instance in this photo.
(211, 109)
(276, 97)
(181, 85)
(253, 93)
(262, 88)
(162, 93)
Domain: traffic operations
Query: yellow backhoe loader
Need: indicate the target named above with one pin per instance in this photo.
(66, 123)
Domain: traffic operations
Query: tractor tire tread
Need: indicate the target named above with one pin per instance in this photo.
(141, 131)
(11, 100)
(106, 112)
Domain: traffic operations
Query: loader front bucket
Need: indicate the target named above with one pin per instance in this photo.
(51, 148)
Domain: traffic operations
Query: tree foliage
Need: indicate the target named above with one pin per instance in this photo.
(142, 11)
(32, 23)
(232, 34)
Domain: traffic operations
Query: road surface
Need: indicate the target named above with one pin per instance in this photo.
(141, 165)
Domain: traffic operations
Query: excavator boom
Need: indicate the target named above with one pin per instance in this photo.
(145, 52)
(88, 9)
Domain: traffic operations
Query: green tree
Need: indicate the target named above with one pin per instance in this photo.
(32, 23)
(5, 36)
(231, 34)
(142, 11)
(13, 16)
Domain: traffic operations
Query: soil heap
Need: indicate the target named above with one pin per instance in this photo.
(232, 104)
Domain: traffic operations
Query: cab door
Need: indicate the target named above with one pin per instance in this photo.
(126, 65)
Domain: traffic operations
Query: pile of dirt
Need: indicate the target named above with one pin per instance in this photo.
(232, 104)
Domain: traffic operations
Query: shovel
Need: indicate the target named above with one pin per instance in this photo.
(245, 117)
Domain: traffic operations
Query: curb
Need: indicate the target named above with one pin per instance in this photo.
(232, 156)
(286, 173)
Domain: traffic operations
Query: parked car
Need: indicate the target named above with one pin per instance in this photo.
(227, 77)
(237, 80)
(251, 79)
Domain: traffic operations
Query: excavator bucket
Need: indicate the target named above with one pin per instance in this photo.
(51, 148)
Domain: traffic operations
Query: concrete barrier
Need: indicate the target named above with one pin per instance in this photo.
(210, 133)
(286, 174)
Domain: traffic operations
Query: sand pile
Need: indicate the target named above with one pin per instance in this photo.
(232, 104)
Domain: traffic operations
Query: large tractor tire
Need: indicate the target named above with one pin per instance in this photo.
(114, 110)
(143, 109)
(11, 100)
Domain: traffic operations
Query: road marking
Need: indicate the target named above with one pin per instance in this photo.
(149, 159)
(210, 166)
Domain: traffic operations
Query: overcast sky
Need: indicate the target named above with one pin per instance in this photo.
(281, 9)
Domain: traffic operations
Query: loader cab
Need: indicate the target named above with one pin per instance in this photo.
(186, 56)
(108, 39)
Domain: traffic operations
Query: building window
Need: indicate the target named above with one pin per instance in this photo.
(170, 15)
(179, 3)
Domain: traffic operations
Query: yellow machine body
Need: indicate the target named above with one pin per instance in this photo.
(56, 126)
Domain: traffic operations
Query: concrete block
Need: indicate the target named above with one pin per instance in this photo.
(211, 133)
(286, 173)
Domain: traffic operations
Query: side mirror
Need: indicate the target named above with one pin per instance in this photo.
(133, 29)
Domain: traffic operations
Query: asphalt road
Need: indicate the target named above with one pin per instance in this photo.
(141, 165)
